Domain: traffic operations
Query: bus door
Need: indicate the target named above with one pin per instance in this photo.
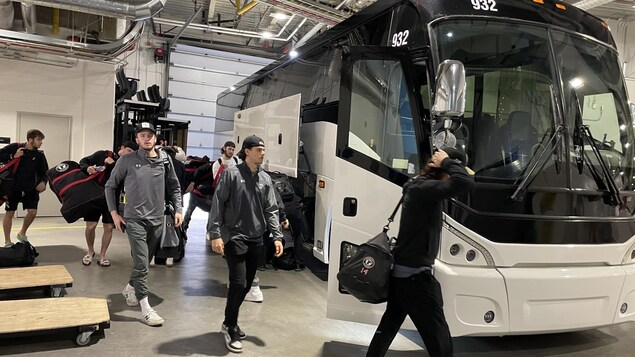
(381, 139)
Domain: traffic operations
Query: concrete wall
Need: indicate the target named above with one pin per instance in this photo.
(85, 93)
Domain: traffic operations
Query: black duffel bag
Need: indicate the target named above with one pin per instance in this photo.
(366, 274)
(18, 255)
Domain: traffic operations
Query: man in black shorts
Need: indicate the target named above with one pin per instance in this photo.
(101, 161)
(30, 180)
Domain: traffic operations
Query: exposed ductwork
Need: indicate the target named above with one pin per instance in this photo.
(589, 4)
(6, 14)
(23, 46)
(310, 10)
(133, 10)
(29, 17)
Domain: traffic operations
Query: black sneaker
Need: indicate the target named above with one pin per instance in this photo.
(241, 334)
(232, 338)
(300, 267)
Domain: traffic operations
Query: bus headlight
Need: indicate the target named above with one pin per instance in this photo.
(629, 257)
(459, 249)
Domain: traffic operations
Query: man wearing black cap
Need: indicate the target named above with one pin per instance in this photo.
(243, 207)
(146, 173)
(413, 289)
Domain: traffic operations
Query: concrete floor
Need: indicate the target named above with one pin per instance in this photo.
(291, 322)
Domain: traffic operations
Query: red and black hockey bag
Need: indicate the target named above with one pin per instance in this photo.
(78, 192)
(6, 179)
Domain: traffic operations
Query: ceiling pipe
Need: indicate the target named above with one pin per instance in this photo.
(230, 31)
(134, 10)
(6, 14)
(589, 4)
(99, 52)
(29, 17)
(317, 12)
(317, 28)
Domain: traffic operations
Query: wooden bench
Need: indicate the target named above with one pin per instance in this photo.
(51, 278)
(87, 315)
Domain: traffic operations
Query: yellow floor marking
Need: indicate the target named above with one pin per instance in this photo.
(53, 227)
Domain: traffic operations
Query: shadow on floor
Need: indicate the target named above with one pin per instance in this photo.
(209, 344)
(213, 287)
(535, 345)
(59, 254)
(117, 305)
(53, 340)
(342, 349)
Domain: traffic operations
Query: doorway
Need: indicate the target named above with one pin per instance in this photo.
(56, 147)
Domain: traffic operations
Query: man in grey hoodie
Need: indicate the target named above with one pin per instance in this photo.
(243, 206)
(144, 176)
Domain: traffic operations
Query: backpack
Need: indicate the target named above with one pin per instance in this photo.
(283, 185)
(206, 188)
(18, 255)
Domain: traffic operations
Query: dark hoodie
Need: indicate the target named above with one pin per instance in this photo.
(421, 216)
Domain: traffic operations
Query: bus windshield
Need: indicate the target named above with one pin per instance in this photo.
(514, 95)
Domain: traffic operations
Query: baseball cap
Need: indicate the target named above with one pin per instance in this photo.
(252, 141)
(145, 126)
(459, 155)
(456, 154)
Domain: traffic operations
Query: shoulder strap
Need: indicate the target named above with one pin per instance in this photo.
(392, 216)
(220, 161)
(235, 159)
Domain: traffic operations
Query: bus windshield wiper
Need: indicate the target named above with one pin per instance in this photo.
(521, 190)
(553, 142)
(603, 177)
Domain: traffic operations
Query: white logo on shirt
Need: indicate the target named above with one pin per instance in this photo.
(137, 166)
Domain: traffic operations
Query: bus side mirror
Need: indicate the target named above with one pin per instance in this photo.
(449, 100)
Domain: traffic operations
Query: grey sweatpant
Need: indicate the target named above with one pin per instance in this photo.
(144, 237)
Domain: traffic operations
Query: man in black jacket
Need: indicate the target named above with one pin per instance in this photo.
(413, 289)
(30, 180)
(243, 207)
(101, 161)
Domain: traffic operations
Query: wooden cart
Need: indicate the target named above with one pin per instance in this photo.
(51, 278)
(86, 315)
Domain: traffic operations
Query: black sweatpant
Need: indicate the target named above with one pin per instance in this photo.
(242, 261)
(419, 297)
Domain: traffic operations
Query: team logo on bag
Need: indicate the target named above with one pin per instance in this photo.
(368, 262)
(61, 167)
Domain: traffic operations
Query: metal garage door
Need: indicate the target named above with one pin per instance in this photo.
(196, 77)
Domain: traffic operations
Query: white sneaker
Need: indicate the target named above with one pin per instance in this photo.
(151, 318)
(254, 294)
(169, 262)
(152, 263)
(129, 293)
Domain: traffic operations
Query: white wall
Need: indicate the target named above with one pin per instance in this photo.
(85, 93)
(141, 65)
(624, 35)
